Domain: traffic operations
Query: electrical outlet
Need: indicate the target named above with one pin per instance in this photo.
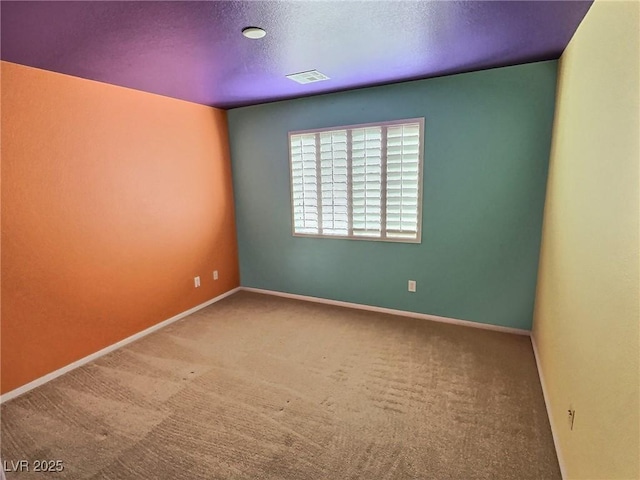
(215, 274)
(571, 416)
(412, 285)
(196, 281)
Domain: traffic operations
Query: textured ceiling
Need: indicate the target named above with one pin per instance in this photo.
(195, 51)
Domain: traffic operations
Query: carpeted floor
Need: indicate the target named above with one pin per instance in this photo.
(261, 387)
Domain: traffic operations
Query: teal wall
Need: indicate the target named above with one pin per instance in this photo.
(487, 143)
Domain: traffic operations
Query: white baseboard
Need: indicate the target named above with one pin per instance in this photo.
(391, 311)
(547, 403)
(61, 371)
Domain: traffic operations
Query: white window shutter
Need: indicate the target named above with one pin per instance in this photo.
(304, 184)
(334, 183)
(366, 168)
(403, 181)
(358, 182)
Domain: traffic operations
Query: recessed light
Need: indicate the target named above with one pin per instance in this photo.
(309, 76)
(253, 32)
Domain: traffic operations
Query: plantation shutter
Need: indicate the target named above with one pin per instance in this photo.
(366, 167)
(403, 177)
(334, 170)
(304, 183)
(360, 182)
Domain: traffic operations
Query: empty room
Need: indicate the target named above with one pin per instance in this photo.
(299, 240)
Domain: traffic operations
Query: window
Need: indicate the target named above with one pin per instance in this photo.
(359, 181)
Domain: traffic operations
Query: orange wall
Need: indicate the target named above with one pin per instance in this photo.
(112, 201)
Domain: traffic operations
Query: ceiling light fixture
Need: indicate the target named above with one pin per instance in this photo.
(253, 33)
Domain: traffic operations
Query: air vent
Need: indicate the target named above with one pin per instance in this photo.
(308, 77)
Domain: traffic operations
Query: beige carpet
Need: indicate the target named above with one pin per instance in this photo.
(260, 387)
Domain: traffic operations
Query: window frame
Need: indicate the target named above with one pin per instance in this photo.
(418, 239)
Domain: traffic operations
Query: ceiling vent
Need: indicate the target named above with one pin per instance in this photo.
(308, 77)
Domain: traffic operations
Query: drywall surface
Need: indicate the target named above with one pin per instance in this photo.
(587, 310)
(487, 141)
(112, 201)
